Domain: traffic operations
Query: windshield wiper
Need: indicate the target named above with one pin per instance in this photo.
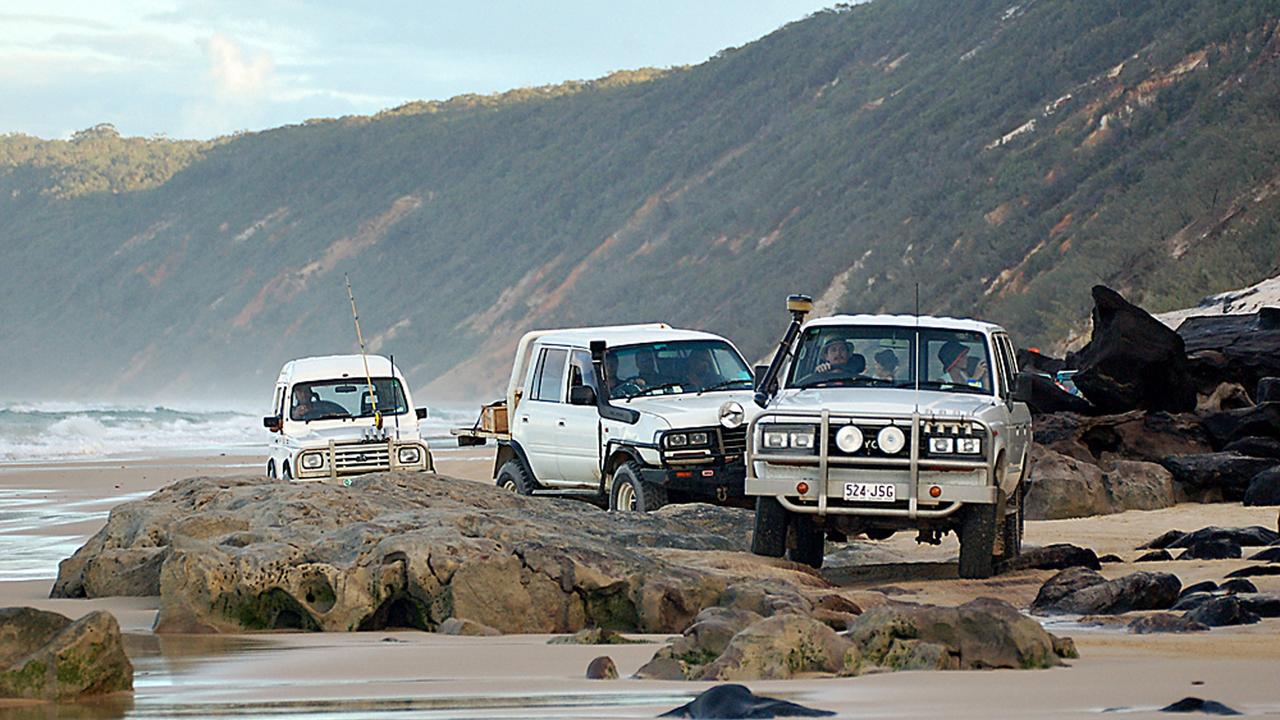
(655, 388)
(943, 386)
(844, 382)
(725, 384)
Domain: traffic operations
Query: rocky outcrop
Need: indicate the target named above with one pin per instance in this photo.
(1220, 549)
(1057, 556)
(1241, 349)
(1251, 536)
(1132, 361)
(46, 656)
(412, 550)
(782, 647)
(1264, 488)
(1220, 611)
(1083, 591)
(1137, 435)
(1064, 487)
(1218, 475)
(736, 701)
(602, 668)
(1257, 421)
(459, 626)
(1048, 397)
(1165, 623)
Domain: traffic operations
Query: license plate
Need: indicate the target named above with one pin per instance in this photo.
(870, 492)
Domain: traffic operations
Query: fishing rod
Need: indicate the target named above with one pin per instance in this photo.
(373, 396)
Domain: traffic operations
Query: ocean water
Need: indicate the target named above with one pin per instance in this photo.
(59, 431)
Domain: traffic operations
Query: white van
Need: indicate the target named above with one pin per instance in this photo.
(331, 421)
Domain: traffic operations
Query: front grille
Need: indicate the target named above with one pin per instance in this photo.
(733, 442)
(364, 457)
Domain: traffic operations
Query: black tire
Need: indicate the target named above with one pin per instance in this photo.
(271, 469)
(1014, 525)
(977, 542)
(770, 535)
(285, 473)
(631, 494)
(512, 476)
(810, 542)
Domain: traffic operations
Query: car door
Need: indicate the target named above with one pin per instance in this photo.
(1019, 413)
(539, 415)
(578, 427)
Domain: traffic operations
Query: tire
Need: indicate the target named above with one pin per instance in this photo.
(810, 542)
(271, 469)
(285, 473)
(1014, 525)
(977, 542)
(512, 476)
(631, 494)
(769, 538)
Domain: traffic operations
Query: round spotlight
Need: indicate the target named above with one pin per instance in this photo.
(891, 440)
(849, 439)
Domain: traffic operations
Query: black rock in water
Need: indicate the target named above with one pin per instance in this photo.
(1155, 556)
(1217, 549)
(1198, 705)
(736, 701)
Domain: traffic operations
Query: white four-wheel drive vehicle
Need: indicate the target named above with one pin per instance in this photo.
(879, 423)
(638, 416)
(334, 417)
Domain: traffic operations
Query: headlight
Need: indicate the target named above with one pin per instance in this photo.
(891, 440)
(849, 439)
(941, 445)
(691, 440)
(698, 438)
(675, 440)
(732, 415)
(799, 438)
(409, 455)
(312, 461)
(969, 446)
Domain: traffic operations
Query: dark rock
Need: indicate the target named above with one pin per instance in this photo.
(1255, 571)
(1231, 348)
(1227, 396)
(1206, 586)
(1261, 604)
(1049, 397)
(1137, 435)
(1223, 611)
(1237, 585)
(1259, 447)
(1155, 556)
(1110, 558)
(736, 701)
(1271, 554)
(1055, 557)
(1084, 592)
(1230, 425)
(1033, 359)
(1227, 473)
(1268, 390)
(1264, 488)
(602, 668)
(45, 656)
(1165, 623)
(1192, 601)
(1164, 541)
(1219, 549)
(1064, 487)
(1197, 705)
(1253, 535)
(1132, 361)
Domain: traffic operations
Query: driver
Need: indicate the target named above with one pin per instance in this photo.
(303, 400)
(836, 357)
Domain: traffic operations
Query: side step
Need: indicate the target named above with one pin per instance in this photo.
(553, 492)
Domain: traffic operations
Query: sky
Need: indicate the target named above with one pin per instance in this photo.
(203, 68)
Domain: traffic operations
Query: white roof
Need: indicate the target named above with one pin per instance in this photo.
(330, 367)
(925, 321)
(618, 335)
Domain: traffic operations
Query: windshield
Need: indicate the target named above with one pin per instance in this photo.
(345, 398)
(875, 356)
(670, 368)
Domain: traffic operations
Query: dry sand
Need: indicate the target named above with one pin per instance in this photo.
(46, 511)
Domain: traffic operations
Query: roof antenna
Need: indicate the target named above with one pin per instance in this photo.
(373, 396)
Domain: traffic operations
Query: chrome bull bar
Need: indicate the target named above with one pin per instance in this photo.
(824, 462)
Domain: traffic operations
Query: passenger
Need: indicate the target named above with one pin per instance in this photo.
(959, 368)
(700, 370)
(886, 365)
(647, 373)
(611, 370)
(836, 358)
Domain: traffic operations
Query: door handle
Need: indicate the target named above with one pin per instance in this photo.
(560, 423)
(524, 418)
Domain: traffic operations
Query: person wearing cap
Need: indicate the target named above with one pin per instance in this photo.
(836, 358)
(958, 367)
(886, 365)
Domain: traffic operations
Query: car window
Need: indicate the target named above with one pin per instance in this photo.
(581, 371)
(547, 383)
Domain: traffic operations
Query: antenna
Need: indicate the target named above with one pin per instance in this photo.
(373, 396)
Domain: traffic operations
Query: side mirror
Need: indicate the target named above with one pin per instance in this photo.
(272, 423)
(422, 413)
(1022, 388)
(759, 373)
(582, 395)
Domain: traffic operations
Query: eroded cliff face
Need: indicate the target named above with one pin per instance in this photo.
(1003, 158)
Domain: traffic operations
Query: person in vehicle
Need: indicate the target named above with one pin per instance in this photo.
(886, 365)
(303, 402)
(700, 370)
(958, 367)
(837, 358)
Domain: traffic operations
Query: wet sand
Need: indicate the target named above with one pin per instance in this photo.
(47, 511)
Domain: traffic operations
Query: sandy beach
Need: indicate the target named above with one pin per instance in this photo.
(47, 510)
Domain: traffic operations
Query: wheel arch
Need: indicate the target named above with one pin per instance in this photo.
(508, 451)
(617, 454)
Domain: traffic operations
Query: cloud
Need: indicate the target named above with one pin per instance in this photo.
(239, 76)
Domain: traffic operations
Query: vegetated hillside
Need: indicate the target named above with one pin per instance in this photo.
(1005, 156)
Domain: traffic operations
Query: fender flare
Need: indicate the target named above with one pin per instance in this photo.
(509, 450)
(613, 449)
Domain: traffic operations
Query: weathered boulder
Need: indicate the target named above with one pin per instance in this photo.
(1269, 555)
(594, 636)
(1251, 536)
(46, 656)
(1199, 705)
(602, 668)
(781, 647)
(1238, 585)
(1259, 447)
(1255, 571)
(1193, 600)
(1055, 557)
(1136, 435)
(1033, 359)
(1227, 396)
(1048, 397)
(1220, 611)
(983, 633)
(1166, 539)
(1137, 485)
(1064, 487)
(1204, 586)
(411, 550)
(736, 701)
(1085, 592)
(1165, 623)
(1261, 604)
(1224, 475)
(1219, 549)
(1155, 556)
(1264, 488)
(1268, 390)
(459, 626)
(1231, 348)
(1132, 361)
(1229, 426)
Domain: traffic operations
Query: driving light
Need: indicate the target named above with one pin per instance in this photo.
(969, 446)
(891, 440)
(312, 461)
(941, 445)
(849, 439)
(409, 455)
(802, 440)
